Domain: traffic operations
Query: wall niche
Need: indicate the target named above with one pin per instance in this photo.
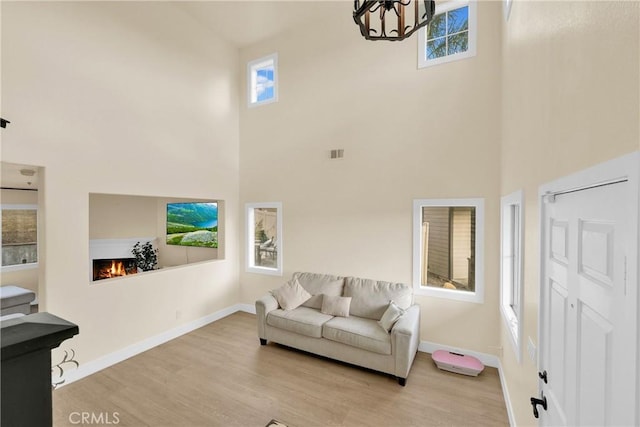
(183, 230)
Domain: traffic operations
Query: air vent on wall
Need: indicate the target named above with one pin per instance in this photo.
(337, 154)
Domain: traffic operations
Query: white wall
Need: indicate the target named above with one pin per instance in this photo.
(407, 134)
(571, 82)
(122, 98)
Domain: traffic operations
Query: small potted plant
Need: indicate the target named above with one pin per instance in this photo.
(146, 256)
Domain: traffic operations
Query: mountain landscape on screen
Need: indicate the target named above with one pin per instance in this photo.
(192, 224)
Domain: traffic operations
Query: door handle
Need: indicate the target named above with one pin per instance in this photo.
(535, 402)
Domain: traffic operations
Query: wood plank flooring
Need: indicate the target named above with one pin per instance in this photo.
(219, 375)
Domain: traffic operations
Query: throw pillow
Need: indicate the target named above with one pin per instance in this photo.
(290, 295)
(335, 306)
(320, 288)
(390, 316)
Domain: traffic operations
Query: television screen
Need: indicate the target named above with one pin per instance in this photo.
(192, 224)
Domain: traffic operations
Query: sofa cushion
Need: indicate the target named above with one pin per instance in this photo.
(290, 295)
(390, 316)
(302, 320)
(370, 298)
(11, 296)
(319, 284)
(358, 332)
(335, 306)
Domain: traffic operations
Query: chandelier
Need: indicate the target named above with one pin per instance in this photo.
(405, 17)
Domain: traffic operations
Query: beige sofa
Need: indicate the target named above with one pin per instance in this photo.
(358, 339)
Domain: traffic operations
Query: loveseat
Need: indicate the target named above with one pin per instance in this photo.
(364, 322)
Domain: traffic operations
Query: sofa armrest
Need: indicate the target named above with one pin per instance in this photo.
(264, 305)
(405, 338)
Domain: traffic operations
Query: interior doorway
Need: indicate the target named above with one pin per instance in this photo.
(22, 228)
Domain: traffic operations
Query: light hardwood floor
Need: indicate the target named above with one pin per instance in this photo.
(219, 375)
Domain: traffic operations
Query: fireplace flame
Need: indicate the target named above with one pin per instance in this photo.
(109, 268)
(117, 269)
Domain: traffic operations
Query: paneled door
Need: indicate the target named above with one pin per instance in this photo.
(588, 355)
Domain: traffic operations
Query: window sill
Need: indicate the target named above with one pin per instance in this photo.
(265, 270)
(18, 267)
(513, 329)
(474, 297)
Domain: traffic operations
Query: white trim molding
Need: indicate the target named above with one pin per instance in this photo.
(250, 250)
(418, 248)
(441, 8)
(487, 359)
(252, 79)
(511, 267)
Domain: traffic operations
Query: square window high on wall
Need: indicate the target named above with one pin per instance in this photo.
(262, 79)
(450, 36)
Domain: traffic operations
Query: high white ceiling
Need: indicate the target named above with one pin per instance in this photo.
(244, 22)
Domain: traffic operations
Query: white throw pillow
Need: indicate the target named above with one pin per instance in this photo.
(291, 295)
(320, 288)
(390, 316)
(335, 306)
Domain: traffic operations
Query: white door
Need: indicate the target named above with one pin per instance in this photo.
(588, 308)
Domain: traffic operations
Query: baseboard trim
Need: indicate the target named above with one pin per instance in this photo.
(505, 393)
(247, 308)
(486, 359)
(118, 356)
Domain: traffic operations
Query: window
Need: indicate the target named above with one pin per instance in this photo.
(263, 80)
(264, 238)
(447, 248)
(450, 36)
(19, 236)
(511, 266)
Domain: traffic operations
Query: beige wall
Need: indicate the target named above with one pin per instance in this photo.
(27, 279)
(400, 128)
(121, 98)
(115, 216)
(570, 100)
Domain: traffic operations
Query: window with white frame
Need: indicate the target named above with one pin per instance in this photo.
(451, 35)
(19, 236)
(264, 238)
(262, 79)
(511, 291)
(448, 242)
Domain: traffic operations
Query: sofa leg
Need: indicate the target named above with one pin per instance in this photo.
(263, 341)
(402, 381)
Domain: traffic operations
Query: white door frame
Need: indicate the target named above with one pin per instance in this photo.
(625, 168)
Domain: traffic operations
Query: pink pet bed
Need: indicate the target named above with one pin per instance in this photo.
(458, 363)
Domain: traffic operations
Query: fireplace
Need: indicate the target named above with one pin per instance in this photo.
(109, 268)
(109, 258)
